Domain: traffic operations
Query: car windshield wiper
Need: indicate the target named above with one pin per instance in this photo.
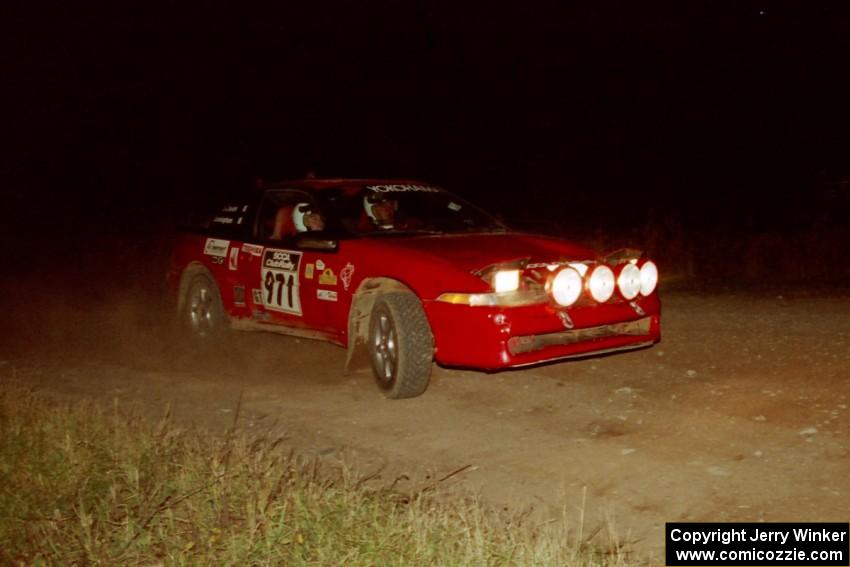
(417, 231)
(483, 229)
(405, 232)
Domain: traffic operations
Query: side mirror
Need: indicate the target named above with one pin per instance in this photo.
(317, 240)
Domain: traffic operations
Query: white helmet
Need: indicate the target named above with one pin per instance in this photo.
(371, 199)
(300, 211)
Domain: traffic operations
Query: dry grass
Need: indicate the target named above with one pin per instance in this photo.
(80, 485)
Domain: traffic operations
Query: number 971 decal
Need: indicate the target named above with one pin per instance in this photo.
(280, 281)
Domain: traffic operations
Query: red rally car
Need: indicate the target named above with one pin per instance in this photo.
(409, 274)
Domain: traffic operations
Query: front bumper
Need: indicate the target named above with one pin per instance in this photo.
(493, 338)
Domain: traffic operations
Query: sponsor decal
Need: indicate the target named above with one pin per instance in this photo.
(346, 274)
(252, 249)
(238, 295)
(566, 320)
(233, 259)
(308, 271)
(279, 274)
(216, 247)
(230, 209)
(223, 220)
(402, 188)
(326, 295)
(281, 259)
(320, 265)
(217, 260)
(638, 309)
(260, 315)
(327, 277)
(257, 296)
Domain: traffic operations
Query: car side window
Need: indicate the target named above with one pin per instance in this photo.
(282, 214)
(230, 221)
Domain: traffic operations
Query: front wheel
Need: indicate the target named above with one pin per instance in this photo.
(401, 345)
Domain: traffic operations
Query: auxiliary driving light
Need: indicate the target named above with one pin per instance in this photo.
(629, 281)
(566, 286)
(506, 280)
(648, 277)
(601, 283)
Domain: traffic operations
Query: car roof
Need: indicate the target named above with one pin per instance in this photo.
(320, 184)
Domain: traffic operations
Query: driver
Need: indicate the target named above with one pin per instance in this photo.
(380, 210)
(305, 219)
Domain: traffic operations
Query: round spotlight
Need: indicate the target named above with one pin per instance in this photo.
(602, 283)
(648, 277)
(629, 281)
(566, 286)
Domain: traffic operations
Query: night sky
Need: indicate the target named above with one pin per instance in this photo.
(719, 115)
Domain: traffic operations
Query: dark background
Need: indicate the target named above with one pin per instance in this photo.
(716, 135)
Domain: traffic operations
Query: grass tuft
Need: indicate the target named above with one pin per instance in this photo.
(81, 485)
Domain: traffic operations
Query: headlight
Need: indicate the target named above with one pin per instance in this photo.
(506, 280)
(473, 299)
(629, 281)
(648, 277)
(601, 283)
(566, 286)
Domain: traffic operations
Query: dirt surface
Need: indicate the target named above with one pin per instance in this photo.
(739, 414)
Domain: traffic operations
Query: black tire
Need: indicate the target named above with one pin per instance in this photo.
(401, 345)
(203, 314)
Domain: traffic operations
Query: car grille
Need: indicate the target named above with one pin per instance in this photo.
(529, 343)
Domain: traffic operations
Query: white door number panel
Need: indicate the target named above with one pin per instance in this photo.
(280, 281)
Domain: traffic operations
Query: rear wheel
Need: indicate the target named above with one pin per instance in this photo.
(203, 312)
(401, 345)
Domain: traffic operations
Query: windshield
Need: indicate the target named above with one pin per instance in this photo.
(403, 209)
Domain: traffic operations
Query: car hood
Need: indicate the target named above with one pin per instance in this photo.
(470, 252)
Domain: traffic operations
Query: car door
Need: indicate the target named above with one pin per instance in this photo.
(284, 279)
(320, 288)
